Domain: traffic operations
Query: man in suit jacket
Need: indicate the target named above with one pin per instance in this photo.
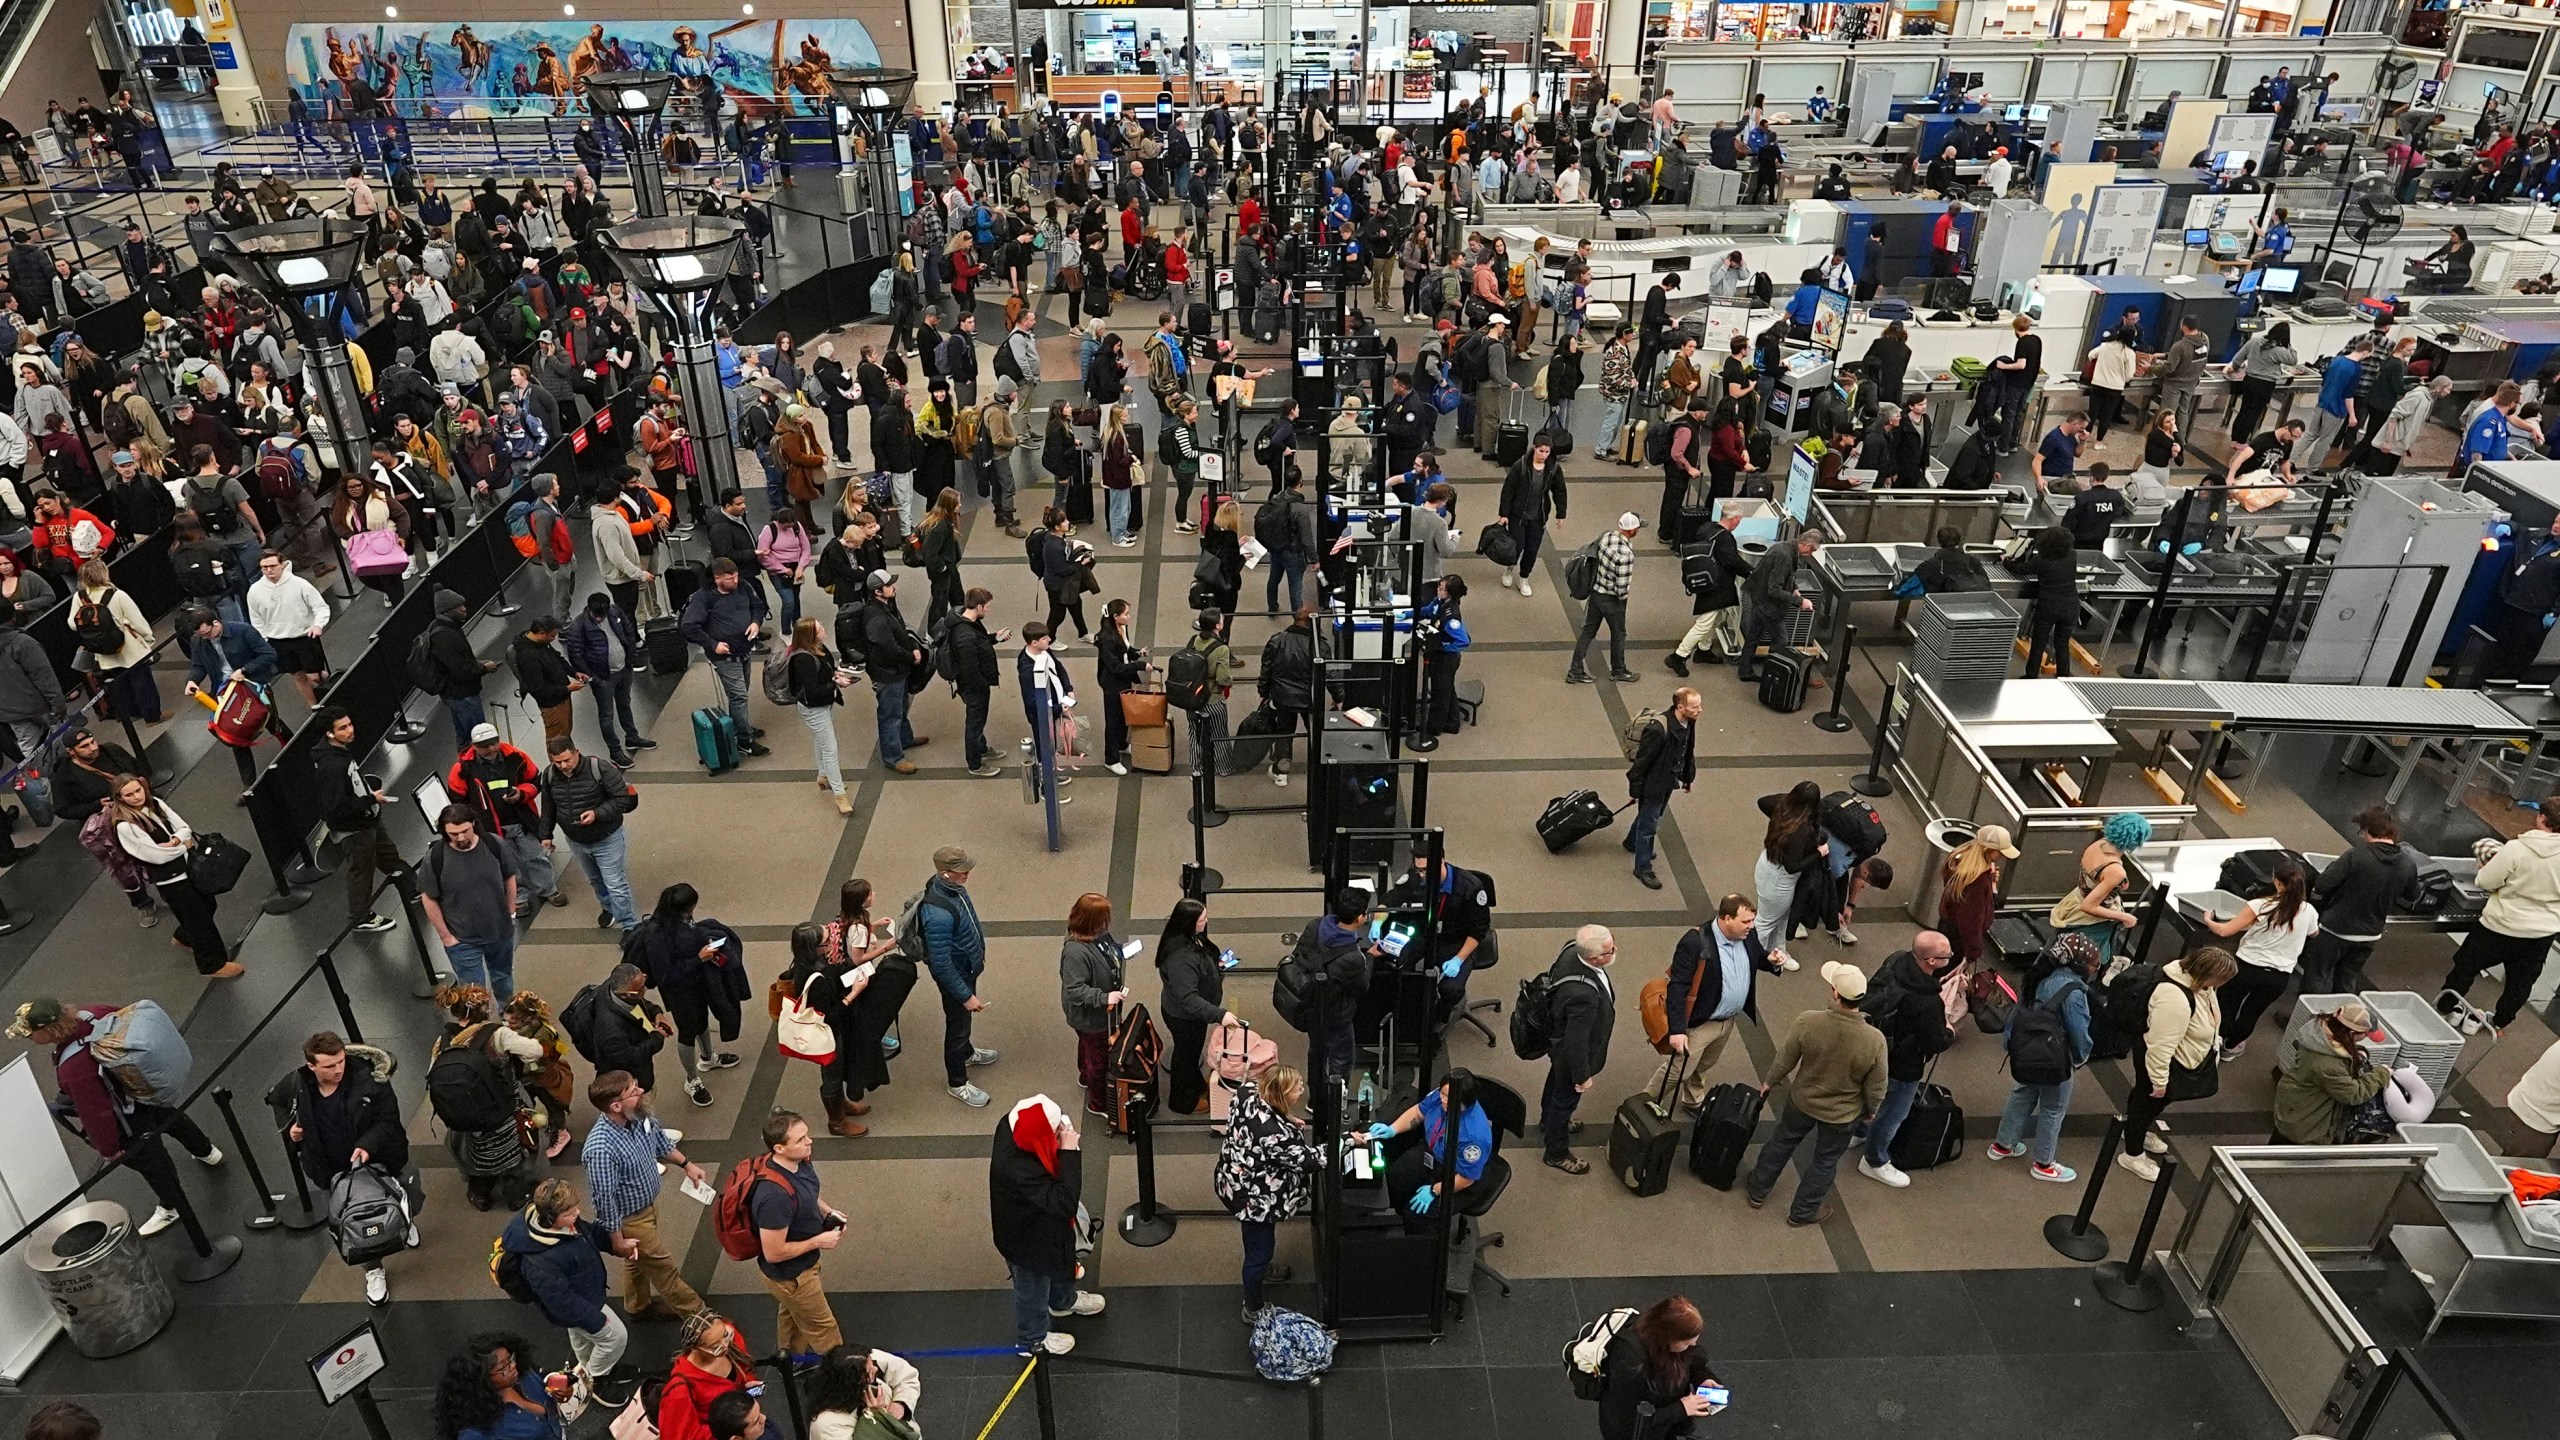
(1666, 760)
(1714, 983)
(1583, 1008)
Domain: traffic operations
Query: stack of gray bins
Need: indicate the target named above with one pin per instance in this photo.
(1963, 638)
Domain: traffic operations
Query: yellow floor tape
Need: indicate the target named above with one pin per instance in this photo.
(1007, 1402)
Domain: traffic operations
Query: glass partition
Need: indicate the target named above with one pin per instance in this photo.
(2271, 1305)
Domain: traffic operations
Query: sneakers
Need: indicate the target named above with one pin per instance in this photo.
(2153, 1144)
(603, 918)
(1056, 1342)
(2057, 1174)
(1509, 579)
(1280, 778)
(1845, 935)
(161, 1219)
(971, 1096)
(725, 1060)
(697, 1092)
(1577, 677)
(1886, 1174)
(1087, 1303)
(1997, 1151)
(1185, 527)
(1648, 880)
(1524, 587)
(982, 1057)
(639, 744)
(754, 751)
(1677, 663)
(376, 924)
(1116, 768)
(1787, 962)
(987, 771)
(2234, 1052)
(377, 1287)
(2142, 1165)
(1623, 677)
(210, 1158)
(1252, 1315)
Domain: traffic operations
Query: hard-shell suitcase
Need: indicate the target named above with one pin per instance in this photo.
(1630, 447)
(1510, 443)
(1568, 818)
(683, 578)
(2016, 938)
(1785, 677)
(715, 740)
(1644, 1139)
(1723, 1134)
(1932, 1134)
(666, 647)
(1202, 318)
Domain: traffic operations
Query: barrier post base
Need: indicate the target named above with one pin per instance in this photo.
(1202, 881)
(1831, 722)
(2128, 1286)
(225, 1253)
(1143, 1232)
(285, 901)
(1207, 819)
(2082, 1245)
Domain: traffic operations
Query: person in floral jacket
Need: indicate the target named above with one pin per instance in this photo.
(1266, 1166)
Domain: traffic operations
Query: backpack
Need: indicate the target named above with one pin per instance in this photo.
(143, 1052)
(1271, 527)
(520, 528)
(777, 681)
(1263, 448)
(1657, 445)
(911, 925)
(578, 1020)
(732, 1214)
(964, 434)
(1631, 739)
(1533, 1015)
(220, 517)
(2127, 1008)
(1586, 1355)
(198, 570)
(2039, 1044)
(1850, 818)
(368, 1214)
(278, 479)
(95, 627)
(120, 425)
(946, 654)
(1293, 992)
(468, 1087)
(1582, 571)
(1288, 1346)
(1008, 368)
(1698, 569)
(1469, 363)
(1186, 677)
(507, 1268)
(424, 672)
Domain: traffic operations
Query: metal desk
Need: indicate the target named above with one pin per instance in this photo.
(2476, 1264)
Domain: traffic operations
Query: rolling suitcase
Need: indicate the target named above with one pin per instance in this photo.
(683, 578)
(666, 647)
(1202, 318)
(1785, 677)
(1512, 441)
(2016, 938)
(1630, 447)
(1645, 1137)
(1932, 1134)
(1723, 1134)
(1568, 818)
(715, 740)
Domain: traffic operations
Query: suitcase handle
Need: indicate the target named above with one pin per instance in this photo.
(1661, 1101)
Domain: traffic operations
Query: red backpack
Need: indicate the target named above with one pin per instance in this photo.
(732, 1219)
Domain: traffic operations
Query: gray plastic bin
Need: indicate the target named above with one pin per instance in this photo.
(93, 1268)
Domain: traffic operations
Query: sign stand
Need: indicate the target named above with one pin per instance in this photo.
(345, 1371)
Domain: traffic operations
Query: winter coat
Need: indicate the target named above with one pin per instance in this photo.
(1032, 1211)
(2358, 889)
(2523, 881)
(2321, 1087)
(1915, 1024)
(1266, 1163)
(377, 1128)
(1088, 971)
(563, 1269)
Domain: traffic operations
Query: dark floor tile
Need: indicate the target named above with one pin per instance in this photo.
(1742, 1323)
(2496, 1394)
(1212, 1334)
(2149, 1396)
(1872, 1315)
(1528, 1326)
(2046, 1312)
(929, 1321)
(1117, 1403)
(177, 1414)
(1355, 1403)
(1255, 1410)
(1532, 1402)
(1461, 1342)
(1438, 1404)
(203, 1347)
(1143, 1323)
(416, 1338)
(1912, 1397)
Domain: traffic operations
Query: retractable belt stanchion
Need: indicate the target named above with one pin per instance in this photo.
(249, 1159)
(1832, 721)
(2131, 1285)
(2074, 1235)
(1874, 783)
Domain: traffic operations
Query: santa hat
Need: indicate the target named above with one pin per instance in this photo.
(1036, 1123)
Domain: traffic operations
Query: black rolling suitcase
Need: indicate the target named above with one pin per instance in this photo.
(683, 578)
(1568, 818)
(2251, 874)
(1202, 318)
(1722, 1135)
(666, 647)
(1932, 1134)
(1644, 1139)
(1785, 679)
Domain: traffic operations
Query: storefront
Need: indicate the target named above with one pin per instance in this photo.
(1752, 22)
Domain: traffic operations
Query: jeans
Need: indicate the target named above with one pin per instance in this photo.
(1640, 835)
(732, 670)
(956, 1044)
(535, 877)
(1034, 1296)
(486, 962)
(973, 726)
(1293, 565)
(606, 866)
(1830, 1142)
(1115, 504)
(2046, 1104)
(1261, 1237)
(1331, 1048)
(613, 705)
(467, 716)
(1759, 627)
(786, 604)
(821, 720)
(1556, 1105)
(1599, 608)
(889, 697)
(1776, 887)
(1898, 1095)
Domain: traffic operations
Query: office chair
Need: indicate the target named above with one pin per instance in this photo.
(1488, 955)
(1467, 1238)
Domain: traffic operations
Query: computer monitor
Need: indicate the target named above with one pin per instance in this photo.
(2196, 239)
(2014, 112)
(2280, 280)
(2249, 283)
(2039, 113)
(2231, 162)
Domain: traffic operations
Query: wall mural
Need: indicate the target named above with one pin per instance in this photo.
(460, 71)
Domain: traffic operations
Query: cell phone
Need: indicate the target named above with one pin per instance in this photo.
(719, 942)
(836, 1222)
(1716, 1396)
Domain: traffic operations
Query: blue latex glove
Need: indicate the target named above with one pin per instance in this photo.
(1452, 967)
(2191, 547)
(1381, 1132)
(2547, 619)
(1420, 1204)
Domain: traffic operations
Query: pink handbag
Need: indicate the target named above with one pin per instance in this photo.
(376, 552)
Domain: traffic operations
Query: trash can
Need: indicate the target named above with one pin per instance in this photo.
(1943, 838)
(102, 1283)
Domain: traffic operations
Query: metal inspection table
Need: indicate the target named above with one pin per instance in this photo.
(2478, 1264)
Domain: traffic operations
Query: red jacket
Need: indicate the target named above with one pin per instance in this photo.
(684, 1409)
(53, 537)
(1130, 228)
(505, 789)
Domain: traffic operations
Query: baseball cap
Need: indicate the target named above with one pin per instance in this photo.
(1996, 837)
(121, 457)
(1846, 981)
(35, 1015)
(483, 733)
(952, 860)
(879, 580)
(1630, 521)
(2354, 1016)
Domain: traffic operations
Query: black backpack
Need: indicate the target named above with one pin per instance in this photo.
(1698, 569)
(198, 569)
(1186, 677)
(1657, 445)
(2126, 1010)
(220, 516)
(1293, 992)
(95, 627)
(1263, 449)
(2039, 1043)
(946, 655)
(1469, 363)
(121, 427)
(1852, 819)
(1533, 1015)
(468, 1086)
(578, 1021)
(1582, 571)
(1271, 527)
(424, 672)
(1007, 367)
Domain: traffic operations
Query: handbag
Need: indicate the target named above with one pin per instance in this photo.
(2197, 1081)
(1992, 1000)
(217, 863)
(376, 552)
(2066, 911)
(800, 1032)
(1142, 709)
(1497, 544)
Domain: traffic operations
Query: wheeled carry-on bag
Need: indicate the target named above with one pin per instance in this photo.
(1932, 1134)
(1644, 1139)
(1723, 1134)
(1785, 678)
(715, 740)
(669, 652)
(1568, 818)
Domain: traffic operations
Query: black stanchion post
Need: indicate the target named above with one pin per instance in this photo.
(1042, 1401)
(2073, 1234)
(2131, 1285)
(135, 747)
(1146, 1224)
(1315, 1407)
(1200, 879)
(790, 1373)
(240, 1146)
(213, 1256)
(310, 1218)
(291, 895)
(430, 979)
(1831, 721)
(1874, 782)
(338, 997)
(1205, 813)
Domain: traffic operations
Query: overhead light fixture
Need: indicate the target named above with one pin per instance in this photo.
(391, 11)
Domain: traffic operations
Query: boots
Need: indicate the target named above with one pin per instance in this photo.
(840, 1122)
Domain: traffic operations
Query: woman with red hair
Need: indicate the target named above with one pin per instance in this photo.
(1653, 1374)
(1090, 988)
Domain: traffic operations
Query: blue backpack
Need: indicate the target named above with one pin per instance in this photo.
(1288, 1346)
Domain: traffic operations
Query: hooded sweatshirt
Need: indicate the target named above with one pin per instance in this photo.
(2322, 1086)
(2356, 893)
(2523, 881)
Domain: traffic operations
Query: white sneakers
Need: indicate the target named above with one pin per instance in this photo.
(161, 1219)
(1056, 1342)
(211, 1157)
(1087, 1303)
(1116, 768)
(1524, 587)
(982, 1056)
(1787, 962)
(971, 1096)
(1887, 1174)
(2142, 1165)
(697, 1092)
(2154, 1144)
(1846, 936)
(377, 1287)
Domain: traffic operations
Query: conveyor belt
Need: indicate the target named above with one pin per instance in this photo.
(2356, 709)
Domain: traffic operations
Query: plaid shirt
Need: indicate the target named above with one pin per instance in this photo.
(1617, 573)
(622, 1167)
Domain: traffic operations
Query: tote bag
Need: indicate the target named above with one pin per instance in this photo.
(800, 1032)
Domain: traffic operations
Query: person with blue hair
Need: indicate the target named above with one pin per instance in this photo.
(2091, 909)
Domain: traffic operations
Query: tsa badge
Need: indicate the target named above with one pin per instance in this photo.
(1470, 1154)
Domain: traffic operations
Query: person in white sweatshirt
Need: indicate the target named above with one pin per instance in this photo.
(852, 1380)
(2536, 1101)
(292, 614)
(2520, 922)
